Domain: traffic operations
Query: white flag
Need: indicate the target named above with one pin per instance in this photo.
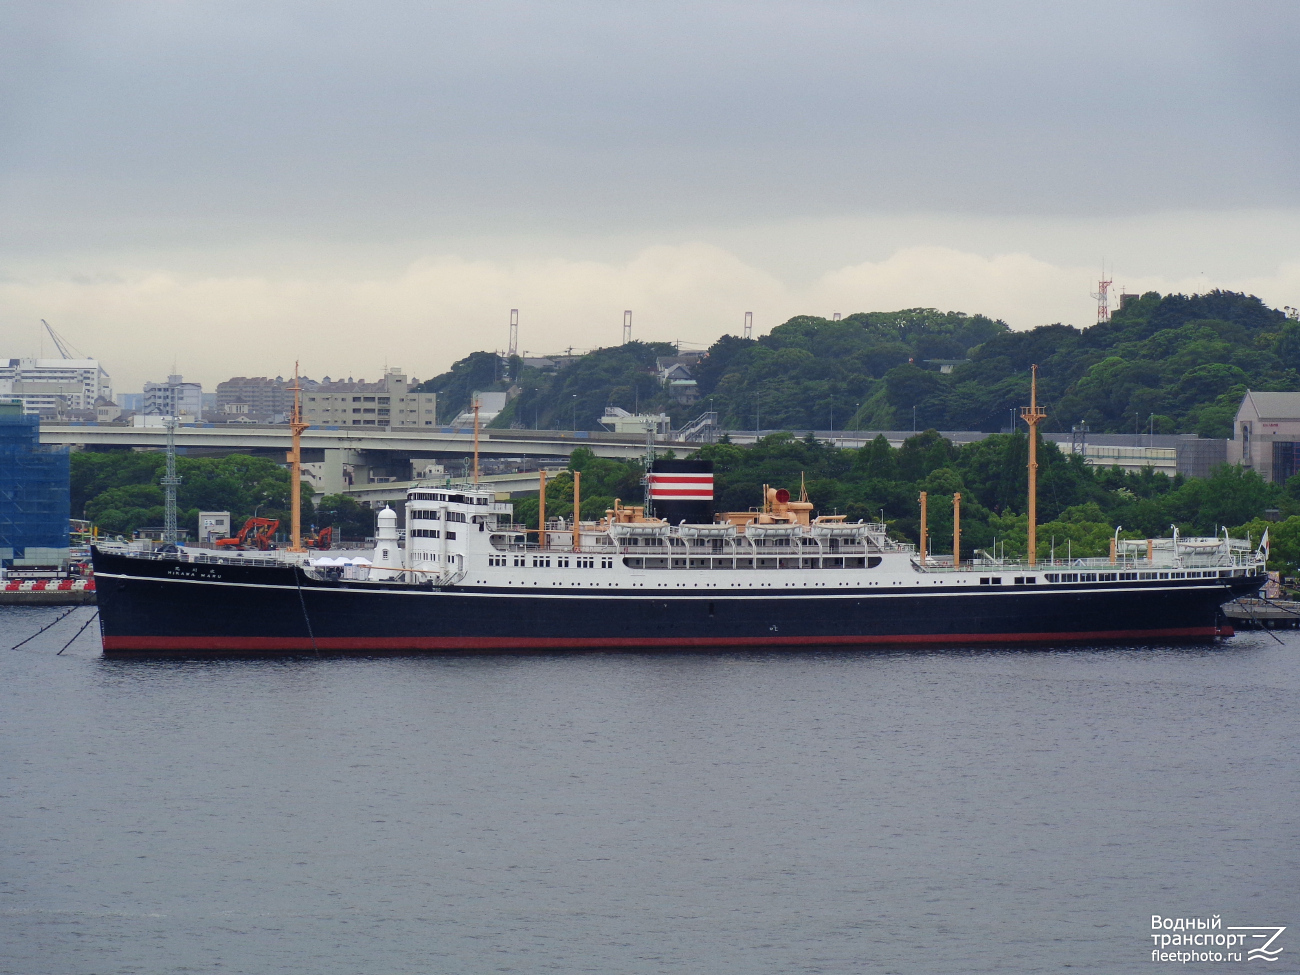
(1263, 544)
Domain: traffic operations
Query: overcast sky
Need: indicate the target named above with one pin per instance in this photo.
(231, 186)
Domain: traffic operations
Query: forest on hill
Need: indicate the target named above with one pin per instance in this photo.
(1168, 363)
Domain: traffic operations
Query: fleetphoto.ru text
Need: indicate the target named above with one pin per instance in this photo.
(1200, 939)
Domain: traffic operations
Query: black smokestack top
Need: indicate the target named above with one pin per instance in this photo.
(682, 490)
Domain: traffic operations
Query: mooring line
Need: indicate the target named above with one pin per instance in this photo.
(62, 616)
(303, 603)
(1262, 626)
(79, 632)
(1291, 612)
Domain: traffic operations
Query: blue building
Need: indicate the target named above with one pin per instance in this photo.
(34, 490)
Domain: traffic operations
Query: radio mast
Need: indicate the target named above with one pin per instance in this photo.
(1102, 295)
(749, 325)
(627, 326)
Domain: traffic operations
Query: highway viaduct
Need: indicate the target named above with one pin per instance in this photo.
(363, 450)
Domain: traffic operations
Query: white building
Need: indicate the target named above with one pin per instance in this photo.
(55, 385)
(173, 398)
(620, 421)
(490, 406)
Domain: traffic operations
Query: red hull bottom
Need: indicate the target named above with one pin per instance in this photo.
(256, 644)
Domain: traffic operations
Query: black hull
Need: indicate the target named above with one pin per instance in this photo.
(164, 607)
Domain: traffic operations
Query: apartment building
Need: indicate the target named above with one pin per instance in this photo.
(53, 386)
(258, 396)
(391, 402)
(175, 397)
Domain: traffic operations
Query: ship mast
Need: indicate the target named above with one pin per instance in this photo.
(577, 508)
(923, 527)
(296, 427)
(541, 507)
(1033, 415)
(476, 405)
(169, 481)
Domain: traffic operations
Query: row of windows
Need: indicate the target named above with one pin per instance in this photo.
(355, 399)
(781, 542)
(438, 496)
(795, 562)
(428, 533)
(561, 561)
(1125, 576)
(718, 543)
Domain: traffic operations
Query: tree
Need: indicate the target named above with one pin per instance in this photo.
(348, 518)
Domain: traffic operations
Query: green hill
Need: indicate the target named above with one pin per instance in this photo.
(1172, 363)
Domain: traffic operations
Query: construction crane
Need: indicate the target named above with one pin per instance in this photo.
(65, 348)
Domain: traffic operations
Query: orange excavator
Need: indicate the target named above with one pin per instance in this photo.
(321, 541)
(258, 533)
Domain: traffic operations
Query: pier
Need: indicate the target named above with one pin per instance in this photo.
(1263, 614)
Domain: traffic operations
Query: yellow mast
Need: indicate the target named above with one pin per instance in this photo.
(1033, 415)
(956, 530)
(923, 528)
(476, 441)
(541, 508)
(296, 427)
(577, 508)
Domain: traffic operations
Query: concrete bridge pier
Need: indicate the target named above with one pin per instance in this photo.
(333, 480)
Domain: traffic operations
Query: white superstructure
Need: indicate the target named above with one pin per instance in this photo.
(463, 536)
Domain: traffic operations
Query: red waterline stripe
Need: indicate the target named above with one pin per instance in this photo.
(265, 643)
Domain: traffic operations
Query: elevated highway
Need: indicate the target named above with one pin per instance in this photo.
(363, 450)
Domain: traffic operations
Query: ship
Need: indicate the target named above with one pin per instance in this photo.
(456, 573)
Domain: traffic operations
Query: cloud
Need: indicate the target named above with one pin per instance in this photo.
(132, 121)
(435, 309)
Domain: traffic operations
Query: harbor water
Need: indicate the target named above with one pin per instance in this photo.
(972, 810)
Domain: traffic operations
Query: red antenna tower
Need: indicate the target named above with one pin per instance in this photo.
(1102, 294)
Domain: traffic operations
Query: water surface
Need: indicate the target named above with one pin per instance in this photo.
(963, 811)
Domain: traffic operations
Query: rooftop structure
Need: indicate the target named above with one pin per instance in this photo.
(620, 421)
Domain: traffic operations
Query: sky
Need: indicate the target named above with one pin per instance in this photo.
(222, 189)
